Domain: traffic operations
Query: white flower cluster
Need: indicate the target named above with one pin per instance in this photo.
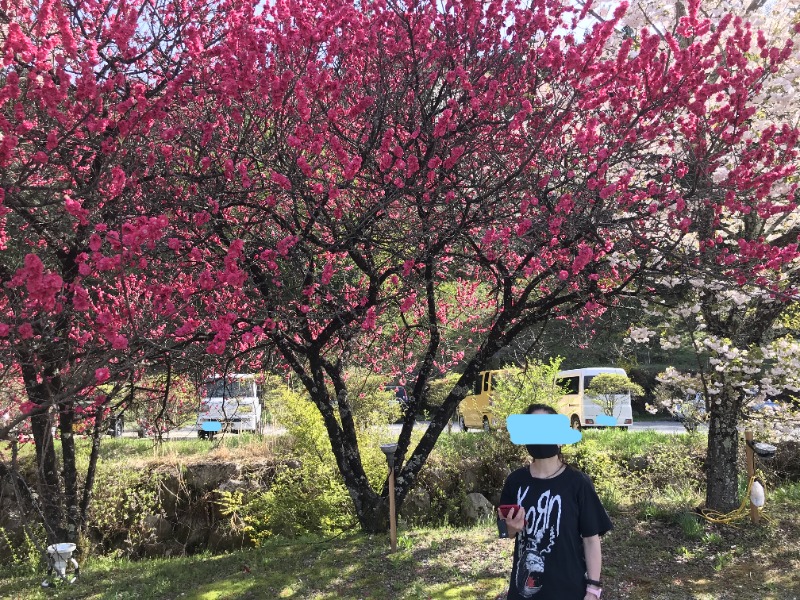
(670, 342)
(640, 335)
(738, 297)
(720, 175)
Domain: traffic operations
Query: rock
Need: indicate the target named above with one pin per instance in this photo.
(417, 506)
(472, 475)
(638, 464)
(162, 549)
(192, 534)
(437, 479)
(159, 527)
(227, 541)
(476, 508)
(234, 485)
(207, 476)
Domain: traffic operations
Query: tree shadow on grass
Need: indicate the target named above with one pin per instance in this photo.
(357, 567)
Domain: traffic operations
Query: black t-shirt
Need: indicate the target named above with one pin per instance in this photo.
(549, 563)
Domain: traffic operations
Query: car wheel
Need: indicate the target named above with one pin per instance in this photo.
(462, 424)
(486, 427)
(201, 434)
(575, 422)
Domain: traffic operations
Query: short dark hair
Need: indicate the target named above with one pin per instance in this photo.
(542, 407)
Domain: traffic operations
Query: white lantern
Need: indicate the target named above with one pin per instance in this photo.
(757, 494)
(59, 556)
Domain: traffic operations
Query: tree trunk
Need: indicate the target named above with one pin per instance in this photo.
(48, 481)
(66, 422)
(722, 468)
(373, 514)
(91, 470)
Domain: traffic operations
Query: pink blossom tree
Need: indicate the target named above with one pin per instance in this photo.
(85, 302)
(348, 184)
(376, 175)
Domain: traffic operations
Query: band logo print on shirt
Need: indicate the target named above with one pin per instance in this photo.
(543, 524)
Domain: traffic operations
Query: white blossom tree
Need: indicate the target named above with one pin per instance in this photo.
(723, 289)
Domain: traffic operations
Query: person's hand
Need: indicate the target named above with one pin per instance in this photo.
(515, 521)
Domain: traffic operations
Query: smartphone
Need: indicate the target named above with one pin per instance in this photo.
(502, 528)
(509, 510)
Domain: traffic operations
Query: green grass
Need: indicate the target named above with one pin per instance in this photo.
(682, 558)
(429, 563)
(658, 550)
(788, 493)
(125, 449)
(121, 448)
(641, 442)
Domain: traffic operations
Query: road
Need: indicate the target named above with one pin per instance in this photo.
(659, 426)
(190, 431)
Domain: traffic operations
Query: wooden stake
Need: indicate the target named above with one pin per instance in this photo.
(392, 517)
(750, 456)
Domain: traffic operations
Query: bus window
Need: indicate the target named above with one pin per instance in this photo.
(569, 384)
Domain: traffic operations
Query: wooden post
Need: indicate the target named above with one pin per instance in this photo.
(750, 456)
(392, 516)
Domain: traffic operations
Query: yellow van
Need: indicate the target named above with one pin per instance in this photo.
(475, 410)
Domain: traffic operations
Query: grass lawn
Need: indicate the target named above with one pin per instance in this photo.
(672, 557)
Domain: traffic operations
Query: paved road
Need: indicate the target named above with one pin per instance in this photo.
(190, 431)
(660, 426)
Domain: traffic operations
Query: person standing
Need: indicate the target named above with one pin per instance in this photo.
(557, 551)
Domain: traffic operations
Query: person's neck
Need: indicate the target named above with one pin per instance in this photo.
(545, 467)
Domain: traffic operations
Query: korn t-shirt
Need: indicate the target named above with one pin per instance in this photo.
(549, 562)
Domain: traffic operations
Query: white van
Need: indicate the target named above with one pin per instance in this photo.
(229, 403)
(583, 409)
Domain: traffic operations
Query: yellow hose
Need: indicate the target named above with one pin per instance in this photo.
(737, 514)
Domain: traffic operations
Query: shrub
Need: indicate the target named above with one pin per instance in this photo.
(514, 389)
(592, 457)
(307, 495)
(438, 390)
(124, 500)
(22, 555)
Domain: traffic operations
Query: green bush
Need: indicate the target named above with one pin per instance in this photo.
(124, 499)
(307, 495)
(592, 457)
(22, 556)
(438, 390)
(299, 501)
(605, 387)
(514, 389)
(370, 402)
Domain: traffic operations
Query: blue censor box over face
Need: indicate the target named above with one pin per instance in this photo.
(541, 429)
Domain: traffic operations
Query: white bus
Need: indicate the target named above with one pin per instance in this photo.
(229, 403)
(582, 408)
